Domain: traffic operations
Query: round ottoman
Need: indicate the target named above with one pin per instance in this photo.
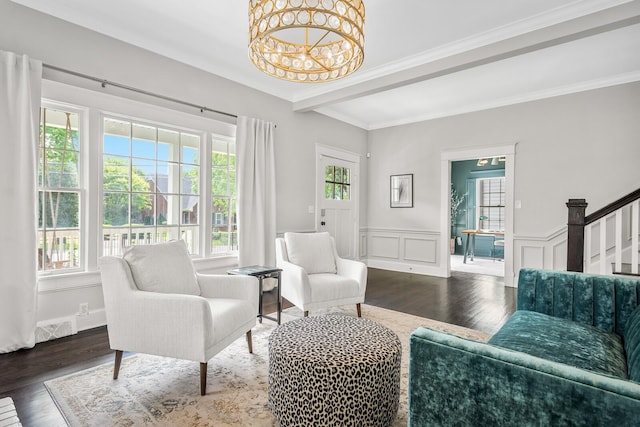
(334, 371)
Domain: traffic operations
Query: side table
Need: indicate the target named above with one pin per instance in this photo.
(262, 272)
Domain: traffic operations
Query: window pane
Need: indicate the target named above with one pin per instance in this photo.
(190, 179)
(58, 230)
(328, 174)
(115, 209)
(144, 149)
(117, 137)
(190, 148)
(346, 176)
(141, 209)
(346, 192)
(338, 190)
(220, 182)
(115, 173)
(232, 182)
(338, 177)
(328, 191)
(61, 168)
(189, 210)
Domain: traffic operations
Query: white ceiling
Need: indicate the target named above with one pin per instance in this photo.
(423, 58)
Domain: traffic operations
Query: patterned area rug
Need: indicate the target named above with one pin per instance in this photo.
(160, 391)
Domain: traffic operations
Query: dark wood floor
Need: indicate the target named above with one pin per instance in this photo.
(473, 301)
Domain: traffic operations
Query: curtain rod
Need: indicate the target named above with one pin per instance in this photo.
(104, 83)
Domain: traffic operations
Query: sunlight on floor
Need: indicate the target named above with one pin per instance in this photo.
(490, 266)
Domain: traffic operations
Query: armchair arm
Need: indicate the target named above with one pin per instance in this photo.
(172, 325)
(295, 283)
(355, 270)
(229, 286)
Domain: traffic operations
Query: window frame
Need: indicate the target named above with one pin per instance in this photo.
(501, 207)
(94, 105)
(83, 181)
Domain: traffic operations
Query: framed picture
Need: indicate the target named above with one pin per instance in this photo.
(402, 191)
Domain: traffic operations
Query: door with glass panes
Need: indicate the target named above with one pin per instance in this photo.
(336, 209)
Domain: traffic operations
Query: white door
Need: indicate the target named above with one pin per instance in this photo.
(337, 201)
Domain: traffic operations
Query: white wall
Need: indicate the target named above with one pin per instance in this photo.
(585, 145)
(65, 45)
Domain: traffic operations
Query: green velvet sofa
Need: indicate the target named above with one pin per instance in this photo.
(570, 355)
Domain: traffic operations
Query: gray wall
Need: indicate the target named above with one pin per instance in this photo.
(584, 145)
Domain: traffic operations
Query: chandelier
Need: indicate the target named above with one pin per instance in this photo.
(306, 41)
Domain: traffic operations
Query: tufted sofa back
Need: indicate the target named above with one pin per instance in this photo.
(605, 302)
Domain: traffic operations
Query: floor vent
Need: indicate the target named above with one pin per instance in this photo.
(57, 328)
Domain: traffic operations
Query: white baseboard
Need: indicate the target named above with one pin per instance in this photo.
(405, 267)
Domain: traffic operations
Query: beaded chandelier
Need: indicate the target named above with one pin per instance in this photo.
(306, 41)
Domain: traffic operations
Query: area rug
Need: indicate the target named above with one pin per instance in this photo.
(157, 391)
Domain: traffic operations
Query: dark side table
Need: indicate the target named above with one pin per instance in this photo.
(262, 272)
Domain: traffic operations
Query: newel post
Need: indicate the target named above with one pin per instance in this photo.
(575, 236)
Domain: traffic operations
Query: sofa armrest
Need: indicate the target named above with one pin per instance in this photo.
(456, 381)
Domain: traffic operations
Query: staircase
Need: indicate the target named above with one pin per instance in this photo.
(606, 241)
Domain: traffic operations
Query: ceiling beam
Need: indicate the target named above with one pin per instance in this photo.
(596, 23)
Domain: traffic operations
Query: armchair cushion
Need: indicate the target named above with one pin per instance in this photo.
(165, 268)
(332, 287)
(311, 251)
(632, 345)
(564, 341)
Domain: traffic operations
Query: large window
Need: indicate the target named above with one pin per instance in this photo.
(140, 174)
(59, 190)
(150, 182)
(224, 231)
(490, 200)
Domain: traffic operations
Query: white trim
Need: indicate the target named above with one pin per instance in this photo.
(447, 156)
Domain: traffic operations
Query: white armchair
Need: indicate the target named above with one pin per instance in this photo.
(314, 276)
(156, 304)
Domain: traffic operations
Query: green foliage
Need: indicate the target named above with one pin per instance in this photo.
(115, 205)
(456, 207)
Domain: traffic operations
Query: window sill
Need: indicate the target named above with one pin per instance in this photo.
(88, 279)
(67, 281)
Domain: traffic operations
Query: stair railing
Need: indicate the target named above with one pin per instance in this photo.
(581, 255)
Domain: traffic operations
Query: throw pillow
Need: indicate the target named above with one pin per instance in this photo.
(163, 267)
(311, 251)
(632, 345)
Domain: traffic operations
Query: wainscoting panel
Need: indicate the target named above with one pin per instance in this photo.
(532, 256)
(420, 249)
(383, 246)
(548, 252)
(413, 251)
(417, 251)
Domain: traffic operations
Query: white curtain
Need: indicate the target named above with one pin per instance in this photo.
(256, 192)
(20, 89)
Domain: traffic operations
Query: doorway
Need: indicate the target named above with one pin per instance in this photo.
(337, 198)
(494, 218)
(478, 203)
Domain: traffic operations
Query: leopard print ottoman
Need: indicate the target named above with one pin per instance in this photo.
(334, 370)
